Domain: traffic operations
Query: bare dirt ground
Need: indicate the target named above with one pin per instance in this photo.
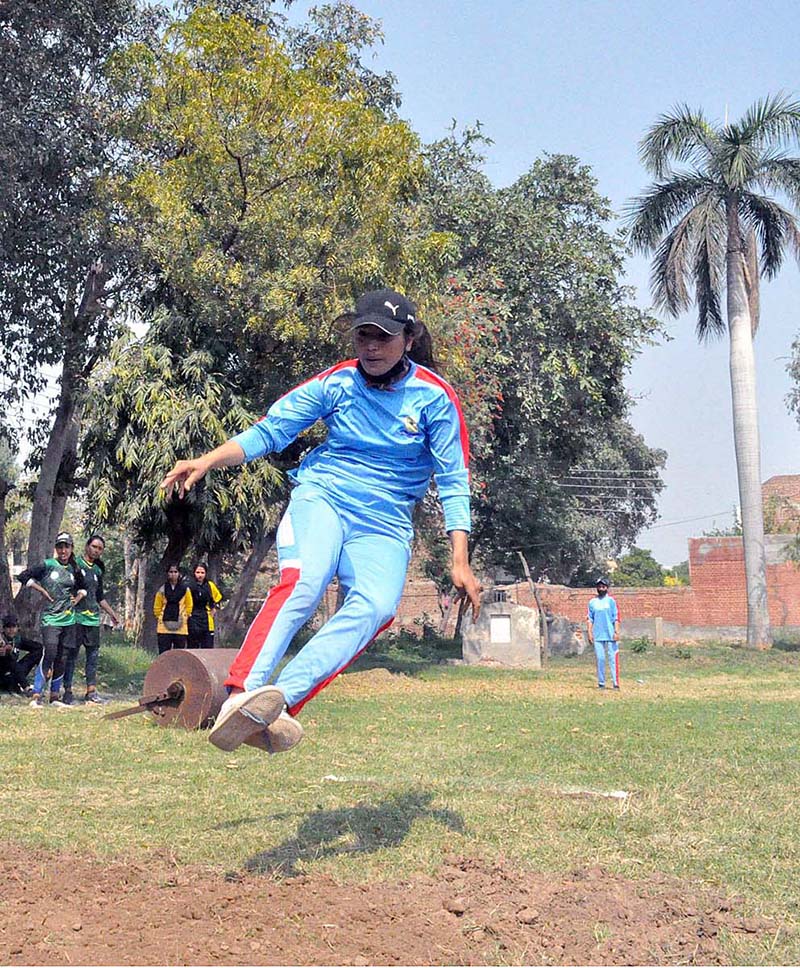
(57, 909)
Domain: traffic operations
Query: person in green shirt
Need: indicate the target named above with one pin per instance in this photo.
(87, 620)
(60, 582)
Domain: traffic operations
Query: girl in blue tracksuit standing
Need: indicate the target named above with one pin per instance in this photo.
(392, 423)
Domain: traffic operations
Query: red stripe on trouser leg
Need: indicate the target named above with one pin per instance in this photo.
(616, 665)
(294, 710)
(260, 628)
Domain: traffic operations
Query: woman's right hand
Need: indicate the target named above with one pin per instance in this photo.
(184, 475)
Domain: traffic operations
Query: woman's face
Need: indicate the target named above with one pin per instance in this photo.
(200, 573)
(173, 575)
(377, 351)
(94, 549)
(63, 551)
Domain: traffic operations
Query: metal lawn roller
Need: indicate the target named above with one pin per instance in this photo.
(184, 687)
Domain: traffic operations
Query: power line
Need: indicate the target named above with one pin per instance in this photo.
(703, 517)
(667, 524)
(620, 479)
(601, 485)
(633, 472)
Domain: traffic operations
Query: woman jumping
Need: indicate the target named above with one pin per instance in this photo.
(392, 422)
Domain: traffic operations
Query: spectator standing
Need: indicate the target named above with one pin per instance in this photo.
(87, 620)
(171, 608)
(59, 580)
(14, 669)
(603, 628)
(205, 599)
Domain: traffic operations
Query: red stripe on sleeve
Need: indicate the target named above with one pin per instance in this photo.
(428, 376)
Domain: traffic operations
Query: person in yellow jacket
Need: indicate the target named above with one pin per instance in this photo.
(205, 600)
(171, 607)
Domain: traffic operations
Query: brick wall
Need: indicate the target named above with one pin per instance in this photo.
(716, 597)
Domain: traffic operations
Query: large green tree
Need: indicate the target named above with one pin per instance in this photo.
(715, 225)
(570, 335)
(56, 248)
(267, 194)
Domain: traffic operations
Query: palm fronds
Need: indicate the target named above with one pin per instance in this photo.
(774, 227)
(682, 136)
(779, 173)
(752, 277)
(772, 120)
(652, 213)
(709, 269)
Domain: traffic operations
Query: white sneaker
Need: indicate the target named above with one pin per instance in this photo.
(244, 714)
(36, 703)
(281, 735)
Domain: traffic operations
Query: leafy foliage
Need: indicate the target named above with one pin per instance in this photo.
(638, 568)
(55, 149)
(569, 335)
(155, 404)
(266, 193)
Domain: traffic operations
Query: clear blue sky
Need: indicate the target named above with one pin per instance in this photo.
(588, 79)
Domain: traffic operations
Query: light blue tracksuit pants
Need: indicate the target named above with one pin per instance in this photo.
(600, 649)
(315, 542)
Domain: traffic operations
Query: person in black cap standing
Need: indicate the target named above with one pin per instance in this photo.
(392, 423)
(603, 627)
(60, 582)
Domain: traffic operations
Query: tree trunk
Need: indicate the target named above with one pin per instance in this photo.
(543, 629)
(140, 603)
(64, 486)
(746, 436)
(6, 599)
(231, 615)
(131, 572)
(40, 541)
(444, 623)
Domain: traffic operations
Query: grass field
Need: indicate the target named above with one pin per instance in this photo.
(407, 760)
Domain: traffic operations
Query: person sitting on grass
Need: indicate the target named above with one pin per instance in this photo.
(60, 581)
(392, 422)
(87, 620)
(14, 669)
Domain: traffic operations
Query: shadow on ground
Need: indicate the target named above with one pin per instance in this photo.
(361, 829)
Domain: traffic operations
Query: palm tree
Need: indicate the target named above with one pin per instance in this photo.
(714, 224)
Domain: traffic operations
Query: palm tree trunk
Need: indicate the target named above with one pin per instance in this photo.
(746, 436)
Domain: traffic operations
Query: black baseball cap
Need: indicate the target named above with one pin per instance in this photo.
(64, 537)
(10, 621)
(601, 581)
(384, 308)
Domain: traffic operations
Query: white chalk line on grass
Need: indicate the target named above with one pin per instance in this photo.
(511, 787)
